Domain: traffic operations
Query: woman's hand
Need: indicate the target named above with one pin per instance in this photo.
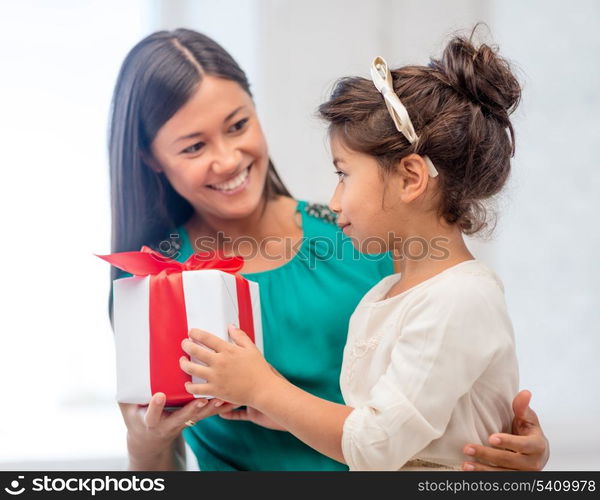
(525, 449)
(250, 414)
(234, 372)
(152, 432)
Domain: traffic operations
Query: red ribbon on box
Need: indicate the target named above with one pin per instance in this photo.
(168, 320)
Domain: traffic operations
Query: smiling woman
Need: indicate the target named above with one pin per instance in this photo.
(213, 148)
(173, 139)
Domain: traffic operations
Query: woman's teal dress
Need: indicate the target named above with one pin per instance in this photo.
(306, 305)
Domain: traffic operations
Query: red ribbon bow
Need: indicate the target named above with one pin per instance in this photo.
(150, 262)
(168, 319)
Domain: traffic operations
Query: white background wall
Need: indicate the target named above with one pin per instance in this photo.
(60, 61)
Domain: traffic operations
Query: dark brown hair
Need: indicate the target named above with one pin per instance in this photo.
(157, 77)
(459, 105)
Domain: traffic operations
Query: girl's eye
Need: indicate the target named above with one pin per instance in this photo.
(194, 148)
(236, 127)
(340, 175)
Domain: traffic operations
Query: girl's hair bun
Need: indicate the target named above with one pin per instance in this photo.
(480, 75)
(460, 106)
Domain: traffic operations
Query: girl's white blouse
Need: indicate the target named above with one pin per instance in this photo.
(428, 371)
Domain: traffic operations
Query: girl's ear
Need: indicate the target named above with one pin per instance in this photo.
(414, 177)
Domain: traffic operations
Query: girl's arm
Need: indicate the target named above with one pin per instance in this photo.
(313, 420)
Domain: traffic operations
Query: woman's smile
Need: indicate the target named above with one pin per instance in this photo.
(234, 185)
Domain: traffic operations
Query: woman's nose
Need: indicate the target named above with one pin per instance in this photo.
(226, 159)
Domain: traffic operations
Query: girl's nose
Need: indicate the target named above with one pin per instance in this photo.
(334, 203)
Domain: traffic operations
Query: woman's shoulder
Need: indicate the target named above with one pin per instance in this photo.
(318, 221)
(318, 211)
(324, 239)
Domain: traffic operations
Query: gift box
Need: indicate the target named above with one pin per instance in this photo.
(154, 310)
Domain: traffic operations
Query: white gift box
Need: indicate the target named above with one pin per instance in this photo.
(211, 304)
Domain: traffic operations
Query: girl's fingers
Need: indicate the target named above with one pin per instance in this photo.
(240, 337)
(197, 351)
(209, 340)
(192, 368)
(199, 389)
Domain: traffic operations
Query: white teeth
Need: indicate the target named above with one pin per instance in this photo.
(233, 183)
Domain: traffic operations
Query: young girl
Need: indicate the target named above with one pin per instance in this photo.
(429, 361)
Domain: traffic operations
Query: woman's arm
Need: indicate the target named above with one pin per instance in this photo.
(170, 458)
(154, 440)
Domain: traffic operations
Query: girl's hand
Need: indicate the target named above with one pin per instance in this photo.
(234, 371)
(252, 415)
(152, 431)
(525, 449)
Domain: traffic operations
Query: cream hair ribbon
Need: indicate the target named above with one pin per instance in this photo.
(382, 78)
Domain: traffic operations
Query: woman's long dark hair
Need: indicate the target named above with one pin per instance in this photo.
(157, 78)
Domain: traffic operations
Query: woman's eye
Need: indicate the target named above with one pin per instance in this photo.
(194, 148)
(236, 127)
